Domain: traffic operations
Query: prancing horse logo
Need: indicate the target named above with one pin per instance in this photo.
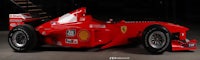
(123, 29)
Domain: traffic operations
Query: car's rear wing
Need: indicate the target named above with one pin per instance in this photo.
(19, 19)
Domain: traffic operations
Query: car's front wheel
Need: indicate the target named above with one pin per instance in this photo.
(156, 39)
(22, 38)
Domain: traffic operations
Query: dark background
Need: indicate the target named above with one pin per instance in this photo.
(3, 15)
(175, 11)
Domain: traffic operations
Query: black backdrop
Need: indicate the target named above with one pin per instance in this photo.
(4, 14)
(174, 10)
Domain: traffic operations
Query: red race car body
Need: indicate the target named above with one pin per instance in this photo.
(78, 30)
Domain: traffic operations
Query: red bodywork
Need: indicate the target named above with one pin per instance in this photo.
(78, 30)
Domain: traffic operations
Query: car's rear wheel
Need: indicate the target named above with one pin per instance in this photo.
(22, 38)
(156, 39)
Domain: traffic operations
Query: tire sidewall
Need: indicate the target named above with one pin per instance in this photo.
(148, 32)
(30, 35)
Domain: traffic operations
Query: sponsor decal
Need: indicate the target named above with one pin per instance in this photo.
(72, 41)
(83, 35)
(97, 26)
(15, 16)
(191, 45)
(123, 29)
(22, 15)
(71, 33)
(15, 20)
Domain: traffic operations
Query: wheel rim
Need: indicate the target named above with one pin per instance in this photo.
(157, 39)
(19, 39)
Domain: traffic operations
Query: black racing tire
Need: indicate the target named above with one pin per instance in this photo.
(23, 38)
(156, 39)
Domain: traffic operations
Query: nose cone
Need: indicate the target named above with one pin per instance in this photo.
(176, 26)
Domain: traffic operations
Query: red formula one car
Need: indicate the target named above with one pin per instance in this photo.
(80, 30)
